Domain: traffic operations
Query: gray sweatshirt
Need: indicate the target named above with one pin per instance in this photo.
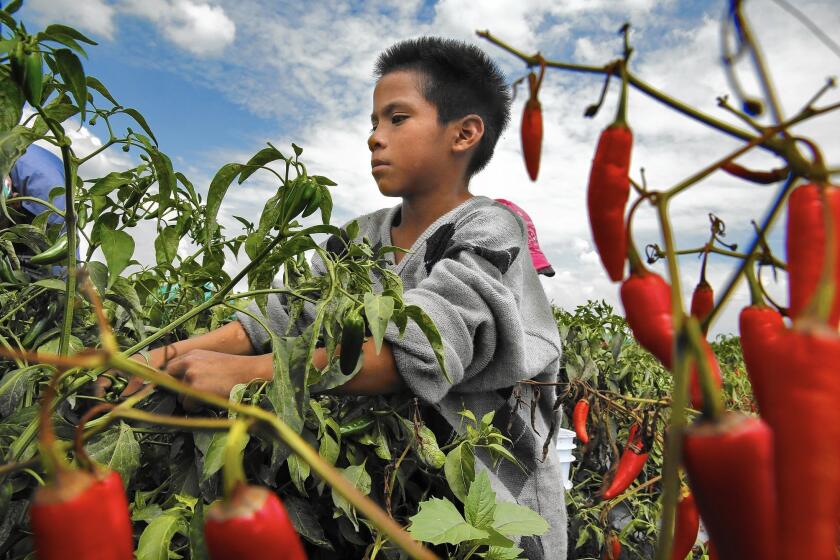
(470, 271)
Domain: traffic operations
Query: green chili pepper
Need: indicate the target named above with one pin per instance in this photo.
(33, 84)
(314, 201)
(40, 325)
(53, 254)
(352, 338)
(6, 273)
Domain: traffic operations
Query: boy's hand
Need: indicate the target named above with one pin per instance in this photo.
(217, 372)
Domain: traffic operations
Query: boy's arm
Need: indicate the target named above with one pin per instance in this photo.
(378, 375)
(214, 361)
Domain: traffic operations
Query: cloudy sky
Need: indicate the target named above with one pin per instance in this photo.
(217, 79)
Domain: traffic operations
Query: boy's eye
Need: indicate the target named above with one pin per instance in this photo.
(398, 118)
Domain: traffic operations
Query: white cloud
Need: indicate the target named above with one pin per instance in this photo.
(197, 27)
(93, 16)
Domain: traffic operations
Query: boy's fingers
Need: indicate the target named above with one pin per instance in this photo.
(134, 384)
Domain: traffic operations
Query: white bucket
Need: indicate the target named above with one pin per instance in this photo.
(564, 443)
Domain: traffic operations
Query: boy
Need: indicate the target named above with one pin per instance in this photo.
(439, 107)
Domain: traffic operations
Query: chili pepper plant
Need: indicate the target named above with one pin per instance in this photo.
(280, 464)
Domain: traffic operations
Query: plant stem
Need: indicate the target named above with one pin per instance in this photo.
(766, 224)
(673, 441)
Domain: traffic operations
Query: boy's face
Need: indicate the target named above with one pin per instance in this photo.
(408, 146)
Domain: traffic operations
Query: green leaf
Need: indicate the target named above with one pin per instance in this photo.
(298, 150)
(439, 521)
(118, 248)
(139, 119)
(218, 188)
(215, 456)
(165, 177)
(157, 537)
(502, 553)
(258, 160)
(14, 386)
(166, 245)
(481, 502)
(305, 521)
(96, 85)
(109, 182)
(11, 103)
(459, 470)
(58, 29)
(73, 75)
(117, 448)
(12, 145)
(328, 449)
(513, 520)
(378, 310)
(299, 470)
(123, 293)
(358, 477)
(51, 284)
(430, 330)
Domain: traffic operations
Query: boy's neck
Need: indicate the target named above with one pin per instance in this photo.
(419, 212)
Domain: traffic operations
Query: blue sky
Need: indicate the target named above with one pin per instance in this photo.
(216, 79)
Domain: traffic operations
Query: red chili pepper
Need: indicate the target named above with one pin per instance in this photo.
(646, 297)
(803, 408)
(687, 526)
(579, 416)
(609, 188)
(606, 197)
(630, 464)
(712, 550)
(253, 524)
(81, 515)
(730, 468)
(702, 300)
(760, 177)
(760, 327)
(806, 245)
(532, 127)
(612, 549)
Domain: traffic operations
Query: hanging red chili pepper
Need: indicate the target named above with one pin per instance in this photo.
(631, 463)
(803, 409)
(612, 548)
(77, 514)
(686, 528)
(532, 125)
(609, 188)
(579, 417)
(805, 244)
(703, 298)
(729, 462)
(760, 177)
(252, 524)
(760, 327)
(81, 515)
(646, 297)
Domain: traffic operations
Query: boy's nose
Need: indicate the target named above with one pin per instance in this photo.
(374, 140)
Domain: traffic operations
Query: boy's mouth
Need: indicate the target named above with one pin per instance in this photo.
(377, 164)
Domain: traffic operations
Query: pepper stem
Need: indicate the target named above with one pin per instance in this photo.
(53, 463)
(233, 471)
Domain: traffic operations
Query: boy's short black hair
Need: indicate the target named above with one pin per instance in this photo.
(458, 79)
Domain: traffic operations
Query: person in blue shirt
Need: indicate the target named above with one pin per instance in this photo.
(33, 176)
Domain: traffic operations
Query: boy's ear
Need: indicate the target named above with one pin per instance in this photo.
(469, 131)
